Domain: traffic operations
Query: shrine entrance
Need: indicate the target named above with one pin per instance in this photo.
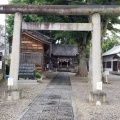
(63, 64)
(95, 11)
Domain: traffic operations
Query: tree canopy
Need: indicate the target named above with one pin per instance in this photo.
(67, 37)
(110, 42)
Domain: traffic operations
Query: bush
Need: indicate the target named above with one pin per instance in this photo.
(38, 74)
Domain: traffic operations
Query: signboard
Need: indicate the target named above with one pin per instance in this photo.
(10, 81)
(26, 70)
(0, 64)
(99, 85)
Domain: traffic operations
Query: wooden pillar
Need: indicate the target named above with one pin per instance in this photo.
(15, 55)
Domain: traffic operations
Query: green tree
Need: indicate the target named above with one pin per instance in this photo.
(109, 43)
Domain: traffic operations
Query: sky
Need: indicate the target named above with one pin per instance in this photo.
(2, 16)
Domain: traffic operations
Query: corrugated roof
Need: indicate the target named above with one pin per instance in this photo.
(64, 50)
(114, 50)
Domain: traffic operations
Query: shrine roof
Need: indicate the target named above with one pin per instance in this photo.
(64, 50)
(38, 36)
(35, 35)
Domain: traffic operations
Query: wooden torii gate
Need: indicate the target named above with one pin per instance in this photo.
(95, 27)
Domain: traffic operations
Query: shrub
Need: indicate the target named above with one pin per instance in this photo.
(38, 74)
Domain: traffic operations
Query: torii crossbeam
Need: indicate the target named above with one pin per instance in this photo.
(61, 9)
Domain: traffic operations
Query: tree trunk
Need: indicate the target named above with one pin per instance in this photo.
(82, 71)
(104, 28)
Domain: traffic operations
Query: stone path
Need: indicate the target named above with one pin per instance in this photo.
(54, 103)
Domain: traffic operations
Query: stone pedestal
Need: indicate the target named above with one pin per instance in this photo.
(12, 95)
(97, 96)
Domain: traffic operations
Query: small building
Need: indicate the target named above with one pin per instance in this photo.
(111, 59)
(64, 57)
(33, 48)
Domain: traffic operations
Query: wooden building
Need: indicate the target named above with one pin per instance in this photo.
(64, 57)
(34, 46)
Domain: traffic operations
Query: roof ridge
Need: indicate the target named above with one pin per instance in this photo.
(113, 50)
(38, 35)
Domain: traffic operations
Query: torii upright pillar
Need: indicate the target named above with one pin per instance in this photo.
(15, 55)
(96, 94)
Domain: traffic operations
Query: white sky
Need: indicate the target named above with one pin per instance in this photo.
(2, 16)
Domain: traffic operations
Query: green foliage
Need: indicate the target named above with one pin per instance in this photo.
(109, 43)
(38, 74)
(71, 37)
(10, 23)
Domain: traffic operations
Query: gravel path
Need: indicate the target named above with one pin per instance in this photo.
(12, 110)
(87, 111)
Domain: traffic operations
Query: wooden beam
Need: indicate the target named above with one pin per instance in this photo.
(57, 26)
(61, 9)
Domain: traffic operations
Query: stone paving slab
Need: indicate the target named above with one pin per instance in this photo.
(54, 103)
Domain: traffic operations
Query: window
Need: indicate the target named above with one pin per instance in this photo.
(108, 64)
(0, 56)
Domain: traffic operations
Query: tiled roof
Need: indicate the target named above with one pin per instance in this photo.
(39, 36)
(64, 50)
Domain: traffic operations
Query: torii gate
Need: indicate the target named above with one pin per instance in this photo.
(95, 27)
